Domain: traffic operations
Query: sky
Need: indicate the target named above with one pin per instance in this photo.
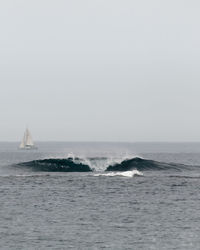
(100, 70)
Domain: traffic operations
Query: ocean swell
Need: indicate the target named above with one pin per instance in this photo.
(143, 164)
(56, 165)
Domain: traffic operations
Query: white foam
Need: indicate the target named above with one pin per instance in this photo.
(124, 174)
(101, 163)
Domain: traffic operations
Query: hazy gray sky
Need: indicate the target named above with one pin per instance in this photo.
(100, 70)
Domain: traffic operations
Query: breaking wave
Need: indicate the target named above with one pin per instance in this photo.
(132, 166)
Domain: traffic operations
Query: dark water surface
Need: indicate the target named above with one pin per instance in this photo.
(100, 210)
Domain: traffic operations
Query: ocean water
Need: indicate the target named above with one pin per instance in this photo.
(150, 198)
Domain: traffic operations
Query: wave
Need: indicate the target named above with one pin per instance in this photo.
(56, 165)
(101, 164)
(144, 165)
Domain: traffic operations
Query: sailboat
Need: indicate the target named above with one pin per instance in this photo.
(27, 142)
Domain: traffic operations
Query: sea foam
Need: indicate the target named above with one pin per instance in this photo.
(129, 174)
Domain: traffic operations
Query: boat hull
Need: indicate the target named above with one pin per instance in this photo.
(29, 148)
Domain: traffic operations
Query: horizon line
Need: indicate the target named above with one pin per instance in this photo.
(62, 141)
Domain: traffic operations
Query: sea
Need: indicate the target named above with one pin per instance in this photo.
(98, 195)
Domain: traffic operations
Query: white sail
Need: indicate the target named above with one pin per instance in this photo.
(27, 142)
